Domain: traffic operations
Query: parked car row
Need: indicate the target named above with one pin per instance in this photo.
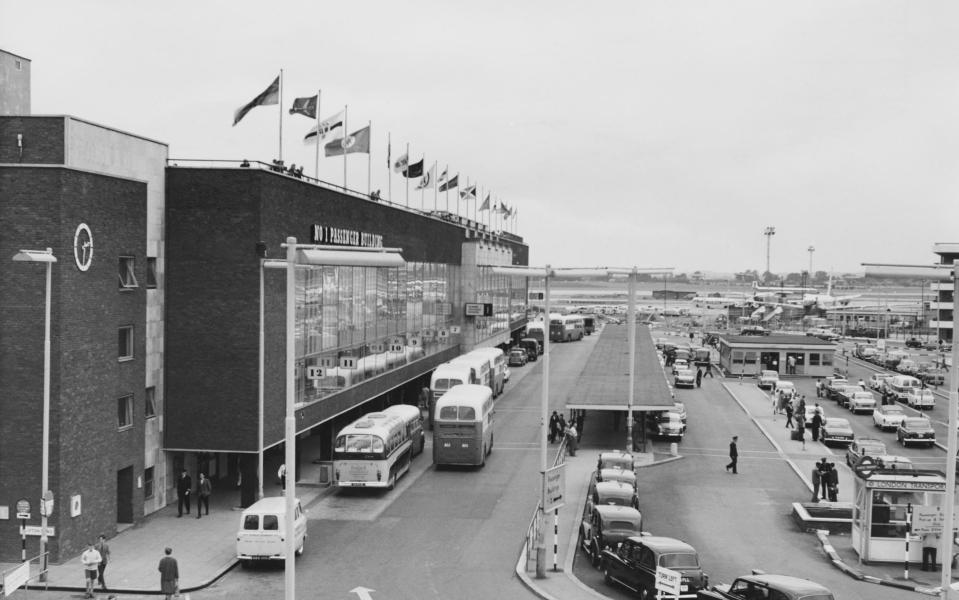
(902, 362)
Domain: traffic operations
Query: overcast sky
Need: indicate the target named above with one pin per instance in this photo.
(647, 133)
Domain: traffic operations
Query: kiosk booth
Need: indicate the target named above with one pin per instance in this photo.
(885, 502)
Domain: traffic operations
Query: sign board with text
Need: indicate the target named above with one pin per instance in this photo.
(668, 581)
(554, 488)
(37, 530)
(928, 519)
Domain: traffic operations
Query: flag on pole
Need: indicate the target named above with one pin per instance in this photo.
(485, 205)
(270, 95)
(507, 211)
(358, 141)
(305, 106)
(452, 183)
(442, 178)
(324, 127)
(427, 180)
(401, 163)
(414, 170)
(468, 193)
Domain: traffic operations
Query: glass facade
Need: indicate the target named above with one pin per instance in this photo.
(354, 323)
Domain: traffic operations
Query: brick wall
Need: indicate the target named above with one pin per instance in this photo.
(42, 207)
(42, 140)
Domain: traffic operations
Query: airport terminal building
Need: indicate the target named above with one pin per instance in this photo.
(162, 274)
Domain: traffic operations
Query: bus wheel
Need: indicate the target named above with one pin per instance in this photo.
(392, 481)
(485, 453)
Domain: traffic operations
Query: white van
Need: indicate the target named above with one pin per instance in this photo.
(263, 529)
(899, 386)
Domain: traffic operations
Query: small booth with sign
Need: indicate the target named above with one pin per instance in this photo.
(891, 504)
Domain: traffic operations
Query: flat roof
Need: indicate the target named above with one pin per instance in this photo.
(604, 381)
(776, 340)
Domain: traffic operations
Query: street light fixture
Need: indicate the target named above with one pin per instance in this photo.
(769, 232)
(939, 272)
(44, 256)
(306, 255)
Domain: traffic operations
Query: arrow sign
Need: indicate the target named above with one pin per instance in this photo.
(362, 593)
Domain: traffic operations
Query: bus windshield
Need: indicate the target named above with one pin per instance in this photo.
(457, 413)
(360, 443)
(445, 384)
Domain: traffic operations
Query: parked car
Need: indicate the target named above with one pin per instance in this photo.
(888, 416)
(907, 366)
(532, 347)
(767, 379)
(836, 431)
(668, 425)
(762, 586)
(753, 330)
(614, 459)
(811, 410)
(679, 365)
(831, 386)
(890, 461)
(913, 343)
(615, 474)
(684, 378)
(680, 409)
(921, 398)
(916, 430)
(616, 493)
(784, 389)
(604, 526)
(843, 393)
(517, 358)
(931, 375)
(898, 386)
(862, 447)
(861, 401)
(633, 565)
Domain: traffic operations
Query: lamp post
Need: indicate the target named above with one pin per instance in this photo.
(306, 255)
(939, 272)
(810, 250)
(769, 232)
(44, 256)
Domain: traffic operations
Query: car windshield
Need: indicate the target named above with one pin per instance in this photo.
(684, 560)
(837, 423)
(916, 423)
(893, 410)
(817, 597)
(623, 526)
(769, 374)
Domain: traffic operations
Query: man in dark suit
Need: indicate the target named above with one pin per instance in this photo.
(733, 455)
(183, 485)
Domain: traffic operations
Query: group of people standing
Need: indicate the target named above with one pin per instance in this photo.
(794, 408)
(572, 430)
(825, 481)
(184, 490)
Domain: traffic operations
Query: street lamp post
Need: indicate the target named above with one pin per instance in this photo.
(769, 232)
(939, 272)
(810, 250)
(44, 256)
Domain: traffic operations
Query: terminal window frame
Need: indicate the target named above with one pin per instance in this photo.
(150, 403)
(125, 412)
(148, 482)
(125, 342)
(126, 267)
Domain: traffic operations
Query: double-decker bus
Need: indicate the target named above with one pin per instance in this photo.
(497, 363)
(377, 449)
(535, 330)
(463, 426)
(566, 328)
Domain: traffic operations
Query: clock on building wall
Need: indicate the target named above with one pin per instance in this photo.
(83, 247)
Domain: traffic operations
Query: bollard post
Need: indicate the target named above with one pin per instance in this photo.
(673, 449)
(541, 545)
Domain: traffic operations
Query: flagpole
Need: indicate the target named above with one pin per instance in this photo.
(280, 158)
(423, 190)
(317, 166)
(346, 132)
(407, 174)
(447, 187)
(389, 167)
(436, 184)
(476, 204)
(369, 159)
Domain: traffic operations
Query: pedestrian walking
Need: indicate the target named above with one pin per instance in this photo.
(281, 475)
(169, 575)
(816, 423)
(801, 409)
(709, 369)
(91, 567)
(699, 377)
(183, 486)
(553, 426)
(562, 426)
(816, 482)
(733, 455)
(104, 549)
(789, 415)
(930, 543)
(819, 388)
(801, 429)
(204, 489)
(571, 442)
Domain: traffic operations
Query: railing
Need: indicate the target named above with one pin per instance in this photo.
(21, 575)
(532, 530)
(279, 168)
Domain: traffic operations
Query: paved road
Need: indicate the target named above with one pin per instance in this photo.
(736, 522)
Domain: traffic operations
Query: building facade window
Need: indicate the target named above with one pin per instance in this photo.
(150, 403)
(125, 339)
(127, 276)
(125, 412)
(19, 65)
(148, 482)
(813, 359)
(151, 272)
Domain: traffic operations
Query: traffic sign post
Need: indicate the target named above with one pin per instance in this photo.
(23, 513)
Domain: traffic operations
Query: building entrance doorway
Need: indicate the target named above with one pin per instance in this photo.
(125, 495)
(769, 361)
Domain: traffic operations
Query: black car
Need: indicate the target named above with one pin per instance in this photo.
(633, 565)
(761, 585)
(913, 343)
